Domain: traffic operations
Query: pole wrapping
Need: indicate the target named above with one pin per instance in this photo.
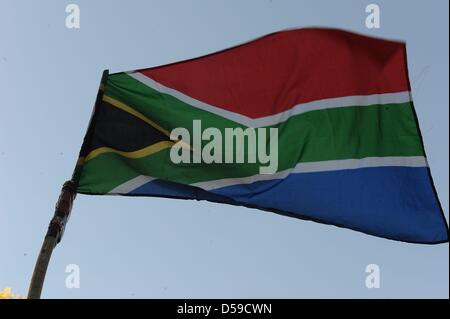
(62, 211)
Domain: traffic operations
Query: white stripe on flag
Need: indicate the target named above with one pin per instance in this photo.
(346, 101)
(131, 185)
(312, 167)
(322, 166)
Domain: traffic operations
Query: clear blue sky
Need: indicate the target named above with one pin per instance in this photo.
(158, 248)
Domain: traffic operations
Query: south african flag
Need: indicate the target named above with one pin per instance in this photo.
(349, 148)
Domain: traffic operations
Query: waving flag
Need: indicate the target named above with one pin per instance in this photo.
(348, 145)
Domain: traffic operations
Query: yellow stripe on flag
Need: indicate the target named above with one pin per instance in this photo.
(134, 154)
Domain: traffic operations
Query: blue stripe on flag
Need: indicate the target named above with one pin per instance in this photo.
(392, 202)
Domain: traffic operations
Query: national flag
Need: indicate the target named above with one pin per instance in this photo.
(350, 151)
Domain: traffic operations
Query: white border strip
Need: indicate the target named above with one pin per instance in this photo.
(346, 101)
(131, 185)
(239, 118)
(322, 166)
(312, 167)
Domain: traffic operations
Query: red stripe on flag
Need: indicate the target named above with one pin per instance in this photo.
(276, 72)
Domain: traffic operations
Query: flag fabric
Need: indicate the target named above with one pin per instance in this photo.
(350, 151)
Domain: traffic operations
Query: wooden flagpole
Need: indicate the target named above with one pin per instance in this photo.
(62, 210)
